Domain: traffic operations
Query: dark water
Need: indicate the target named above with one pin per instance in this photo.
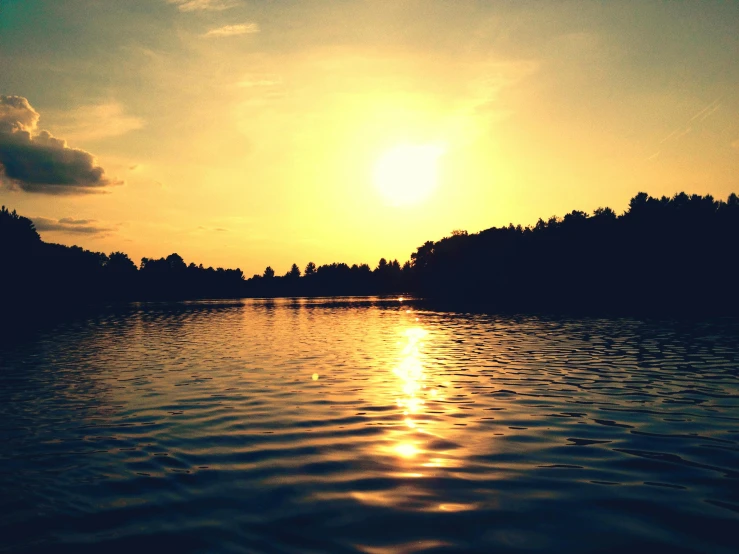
(365, 426)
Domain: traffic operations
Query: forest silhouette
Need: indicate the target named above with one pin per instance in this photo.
(662, 255)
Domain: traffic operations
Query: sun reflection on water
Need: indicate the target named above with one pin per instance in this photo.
(419, 444)
(409, 441)
(406, 450)
(411, 374)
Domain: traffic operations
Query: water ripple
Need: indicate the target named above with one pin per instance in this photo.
(366, 425)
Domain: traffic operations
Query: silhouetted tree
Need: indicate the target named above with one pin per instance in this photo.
(657, 256)
(605, 214)
(120, 264)
(16, 231)
(176, 263)
(294, 272)
(661, 255)
(423, 257)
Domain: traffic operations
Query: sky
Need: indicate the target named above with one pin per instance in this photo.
(251, 133)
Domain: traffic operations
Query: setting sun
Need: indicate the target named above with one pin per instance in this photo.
(408, 173)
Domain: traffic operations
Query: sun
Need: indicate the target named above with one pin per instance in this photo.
(408, 173)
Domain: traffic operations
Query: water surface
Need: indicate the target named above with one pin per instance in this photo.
(360, 425)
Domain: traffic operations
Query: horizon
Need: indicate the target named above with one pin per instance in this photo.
(243, 134)
(371, 264)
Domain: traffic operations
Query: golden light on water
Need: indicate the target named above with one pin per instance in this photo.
(449, 507)
(410, 374)
(406, 450)
(421, 442)
(420, 438)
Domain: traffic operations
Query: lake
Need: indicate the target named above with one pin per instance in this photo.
(367, 425)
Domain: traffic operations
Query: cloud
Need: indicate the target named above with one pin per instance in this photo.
(36, 161)
(96, 121)
(202, 5)
(496, 76)
(69, 225)
(251, 83)
(233, 30)
(216, 229)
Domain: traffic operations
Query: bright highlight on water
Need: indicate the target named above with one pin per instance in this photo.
(192, 427)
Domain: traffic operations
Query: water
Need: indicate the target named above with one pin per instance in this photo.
(368, 426)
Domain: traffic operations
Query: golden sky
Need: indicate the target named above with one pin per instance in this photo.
(249, 133)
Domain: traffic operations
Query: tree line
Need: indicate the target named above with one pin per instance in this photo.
(663, 255)
(670, 254)
(336, 279)
(35, 271)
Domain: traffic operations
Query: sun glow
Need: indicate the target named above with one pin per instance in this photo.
(408, 173)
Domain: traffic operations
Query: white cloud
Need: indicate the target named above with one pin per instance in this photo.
(96, 121)
(233, 30)
(202, 5)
